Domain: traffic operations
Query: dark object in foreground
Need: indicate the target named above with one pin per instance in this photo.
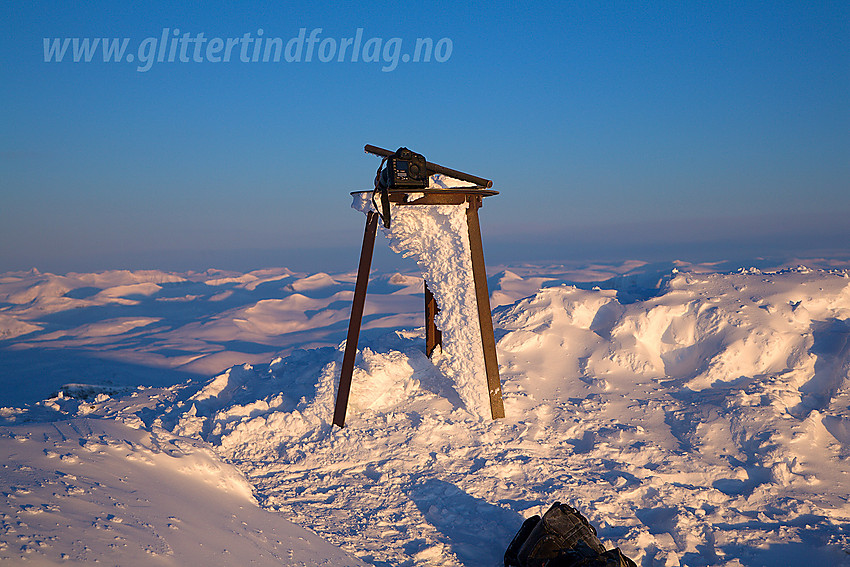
(561, 538)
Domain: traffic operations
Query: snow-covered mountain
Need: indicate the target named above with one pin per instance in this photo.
(696, 414)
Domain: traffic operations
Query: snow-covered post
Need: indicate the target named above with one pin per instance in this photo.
(439, 228)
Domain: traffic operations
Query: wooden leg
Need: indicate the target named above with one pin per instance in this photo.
(355, 319)
(485, 319)
(433, 335)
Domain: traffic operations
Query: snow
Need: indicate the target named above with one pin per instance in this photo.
(696, 414)
(437, 237)
(85, 490)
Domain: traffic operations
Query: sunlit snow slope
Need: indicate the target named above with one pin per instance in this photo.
(697, 416)
(87, 490)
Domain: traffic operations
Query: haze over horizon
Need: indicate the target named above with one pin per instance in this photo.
(620, 131)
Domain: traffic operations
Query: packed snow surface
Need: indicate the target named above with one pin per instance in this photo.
(87, 490)
(697, 415)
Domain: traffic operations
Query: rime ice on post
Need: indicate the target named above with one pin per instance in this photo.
(438, 226)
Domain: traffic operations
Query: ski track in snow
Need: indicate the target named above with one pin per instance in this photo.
(695, 416)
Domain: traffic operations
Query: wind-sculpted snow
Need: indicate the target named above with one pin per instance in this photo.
(93, 491)
(155, 328)
(702, 422)
(437, 237)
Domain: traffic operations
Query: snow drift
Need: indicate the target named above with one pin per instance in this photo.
(700, 421)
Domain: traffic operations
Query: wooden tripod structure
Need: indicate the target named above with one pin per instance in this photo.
(472, 197)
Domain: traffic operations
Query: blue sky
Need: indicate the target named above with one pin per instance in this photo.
(627, 129)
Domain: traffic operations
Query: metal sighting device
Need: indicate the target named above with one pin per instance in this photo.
(433, 168)
(406, 170)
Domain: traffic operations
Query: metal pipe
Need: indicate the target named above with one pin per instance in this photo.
(434, 168)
